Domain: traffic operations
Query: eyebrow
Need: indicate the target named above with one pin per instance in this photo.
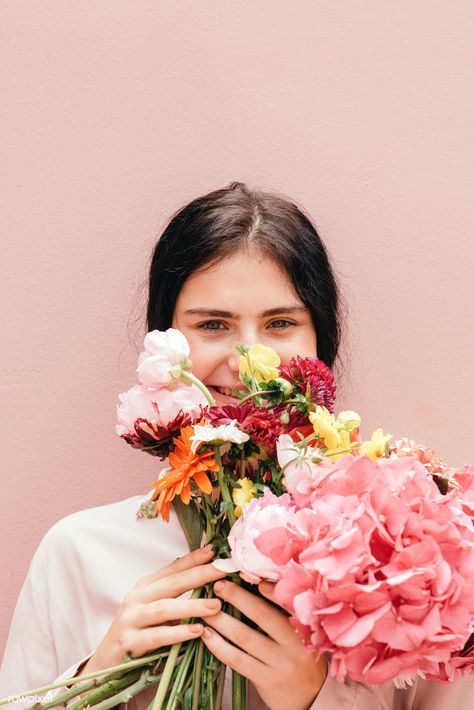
(216, 313)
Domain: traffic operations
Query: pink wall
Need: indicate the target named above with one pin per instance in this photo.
(117, 113)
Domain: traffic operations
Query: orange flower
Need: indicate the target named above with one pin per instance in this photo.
(185, 465)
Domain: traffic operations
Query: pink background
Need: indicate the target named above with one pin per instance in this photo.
(116, 113)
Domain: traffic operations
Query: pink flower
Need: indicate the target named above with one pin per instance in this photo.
(302, 476)
(166, 354)
(376, 568)
(462, 484)
(426, 456)
(147, 415)
(259, 515)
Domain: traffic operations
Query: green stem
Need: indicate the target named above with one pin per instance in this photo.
(145, 681)
(239, 699)
(208, 513)
(166, 677)
(239, 682)
(220, 688)
(181, 676)
(112, 670)
(254, 394)
(109, 689)
(62, 699)
(189, 377)
(224, 489)
(197, 676)
(169, 667)
(338, 453)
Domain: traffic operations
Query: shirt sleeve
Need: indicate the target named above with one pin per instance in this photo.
(30, 660)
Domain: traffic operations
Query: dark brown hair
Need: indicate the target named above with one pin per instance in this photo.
(235, 218)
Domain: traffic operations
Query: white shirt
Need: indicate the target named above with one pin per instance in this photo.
(78, 576)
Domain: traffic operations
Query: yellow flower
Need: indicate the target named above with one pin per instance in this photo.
(264, 363)
(375, 446)
(326, 427)
(243, 495)
(344, 448)
(348, 419)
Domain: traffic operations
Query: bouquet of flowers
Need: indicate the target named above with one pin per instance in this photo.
(370, 542)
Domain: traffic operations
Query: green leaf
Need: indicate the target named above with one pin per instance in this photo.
(191, 522)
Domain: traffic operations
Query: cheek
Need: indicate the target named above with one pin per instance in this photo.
(204, 356)
(302, 343)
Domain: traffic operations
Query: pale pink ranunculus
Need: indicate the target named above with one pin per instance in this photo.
(160, 406)
(188, 398)
(163, 357)
(136, 403)
(301, 475)
(259, 515)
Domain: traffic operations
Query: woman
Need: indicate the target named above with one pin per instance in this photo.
(232, 267)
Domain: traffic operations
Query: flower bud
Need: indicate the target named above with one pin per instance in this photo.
(348, 419)
(286, 387)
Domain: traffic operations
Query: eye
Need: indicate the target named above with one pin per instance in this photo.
(209, 325)
(282, 320)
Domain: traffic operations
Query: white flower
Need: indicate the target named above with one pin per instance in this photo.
(166, 354)
(206, 433)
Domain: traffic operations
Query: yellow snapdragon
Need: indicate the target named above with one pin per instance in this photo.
(374, 447)
(326, 427)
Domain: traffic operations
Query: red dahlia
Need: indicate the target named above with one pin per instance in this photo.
(157, 440)
(262, 425)
(303, 371)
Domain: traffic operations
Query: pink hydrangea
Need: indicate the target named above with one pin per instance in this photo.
(381, 570)
(462, 483)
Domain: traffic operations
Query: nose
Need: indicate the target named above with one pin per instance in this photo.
(233, 361)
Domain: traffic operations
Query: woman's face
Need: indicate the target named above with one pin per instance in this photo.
(242, 299)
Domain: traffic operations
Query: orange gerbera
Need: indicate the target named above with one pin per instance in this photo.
(185, 465)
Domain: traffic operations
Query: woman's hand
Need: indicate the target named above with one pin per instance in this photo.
(284, 673)
(147, 618)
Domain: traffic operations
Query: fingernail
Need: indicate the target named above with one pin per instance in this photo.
(207, 632)
(207, 548)
(212, 603)
(218, 587)
(196, 628)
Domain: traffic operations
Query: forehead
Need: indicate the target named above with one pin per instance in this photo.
(241, 284)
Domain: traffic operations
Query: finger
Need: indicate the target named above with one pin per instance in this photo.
(166, 610)
(158, 636)
(246, 638)
(274, 622)
(238, 660)
(176, 583)
(191, 559)
(267, 589)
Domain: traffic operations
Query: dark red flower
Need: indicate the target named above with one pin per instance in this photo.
(303, 371)
(264, 426)
(158, 440)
